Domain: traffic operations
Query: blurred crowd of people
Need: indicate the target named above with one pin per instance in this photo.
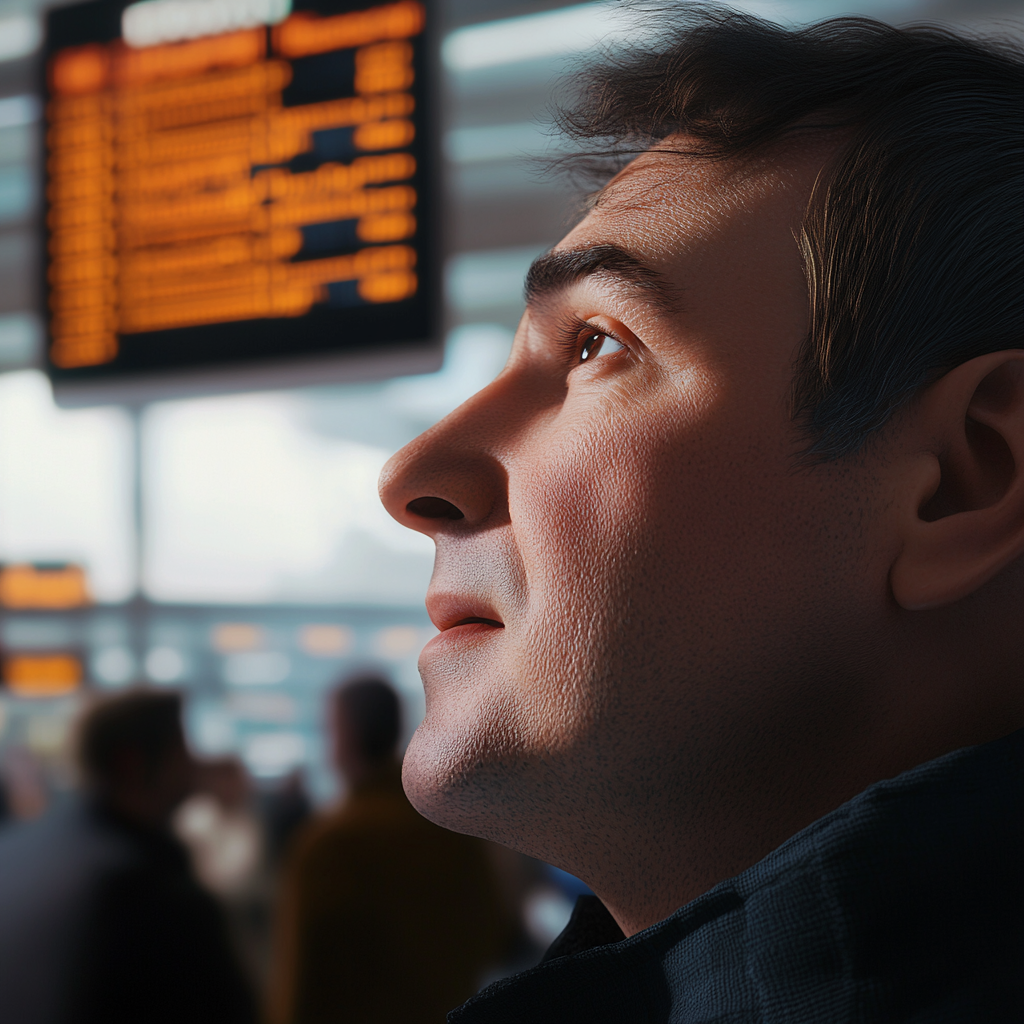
(169, 889)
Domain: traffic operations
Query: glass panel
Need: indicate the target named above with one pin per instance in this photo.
(273, 497)
(65, 485)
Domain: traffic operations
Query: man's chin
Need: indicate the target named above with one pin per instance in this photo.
(432, 784)
(447, 781)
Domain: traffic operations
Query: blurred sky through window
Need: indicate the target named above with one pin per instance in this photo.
(248, 498)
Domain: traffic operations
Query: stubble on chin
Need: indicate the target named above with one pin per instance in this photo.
(501, 744)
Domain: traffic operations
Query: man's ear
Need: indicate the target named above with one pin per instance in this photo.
(962, 507)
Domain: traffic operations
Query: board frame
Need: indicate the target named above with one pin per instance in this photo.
(108, 384)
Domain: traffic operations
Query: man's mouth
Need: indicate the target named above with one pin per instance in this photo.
(457, 627)
(477, 619)
(452, 612)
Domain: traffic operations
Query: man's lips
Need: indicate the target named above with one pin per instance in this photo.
(475, 620)
(465, 631)
(459, 620)
(452, 612)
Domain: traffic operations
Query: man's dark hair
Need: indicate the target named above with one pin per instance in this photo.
(912, 241)
(146, 724)
(370, 706)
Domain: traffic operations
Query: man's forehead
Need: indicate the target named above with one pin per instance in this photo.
(653, 211)
(657, 175)
(673, 174)
(670, 201)
(671, 215)
(656, 209)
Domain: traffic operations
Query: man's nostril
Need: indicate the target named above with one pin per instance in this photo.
(433, 508)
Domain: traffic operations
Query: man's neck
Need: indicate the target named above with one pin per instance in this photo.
(739, 823)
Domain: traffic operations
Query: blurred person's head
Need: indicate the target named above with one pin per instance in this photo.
(132, 755)
(739, 528)
(365, 719)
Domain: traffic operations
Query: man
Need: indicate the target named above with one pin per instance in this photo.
(732, 552)
(101, 921)
(385, 918)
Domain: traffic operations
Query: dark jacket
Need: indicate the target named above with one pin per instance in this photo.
(905, 904)
(101, 922)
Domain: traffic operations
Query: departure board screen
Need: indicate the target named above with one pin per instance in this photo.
(231, 182)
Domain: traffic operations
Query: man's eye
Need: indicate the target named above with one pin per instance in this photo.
(598, 344)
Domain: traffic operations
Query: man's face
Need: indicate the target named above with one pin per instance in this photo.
(635, 583)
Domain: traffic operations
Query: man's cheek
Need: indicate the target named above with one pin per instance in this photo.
(588, 502)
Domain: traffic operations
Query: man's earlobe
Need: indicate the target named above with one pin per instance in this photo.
(962, 515)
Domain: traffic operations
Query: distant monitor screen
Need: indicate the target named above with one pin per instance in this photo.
(232, 182)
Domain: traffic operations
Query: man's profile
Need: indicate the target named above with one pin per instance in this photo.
(730, 558)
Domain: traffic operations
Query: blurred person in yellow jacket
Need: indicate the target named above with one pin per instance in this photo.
(384, 916)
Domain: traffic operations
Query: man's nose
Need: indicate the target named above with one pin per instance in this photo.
(452, 476)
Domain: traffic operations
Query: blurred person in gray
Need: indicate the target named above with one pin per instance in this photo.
(101, 920)
(384, 917)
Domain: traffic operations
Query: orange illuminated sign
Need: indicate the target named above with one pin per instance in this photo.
(305, 33)
(265, 174)
(42, 675)
(43, 587)
(229, 637)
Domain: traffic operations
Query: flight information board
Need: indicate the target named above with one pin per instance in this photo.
(237, 182)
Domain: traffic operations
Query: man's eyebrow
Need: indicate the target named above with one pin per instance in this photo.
(561, 268)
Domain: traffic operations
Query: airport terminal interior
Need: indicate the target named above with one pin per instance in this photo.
(182, 515)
